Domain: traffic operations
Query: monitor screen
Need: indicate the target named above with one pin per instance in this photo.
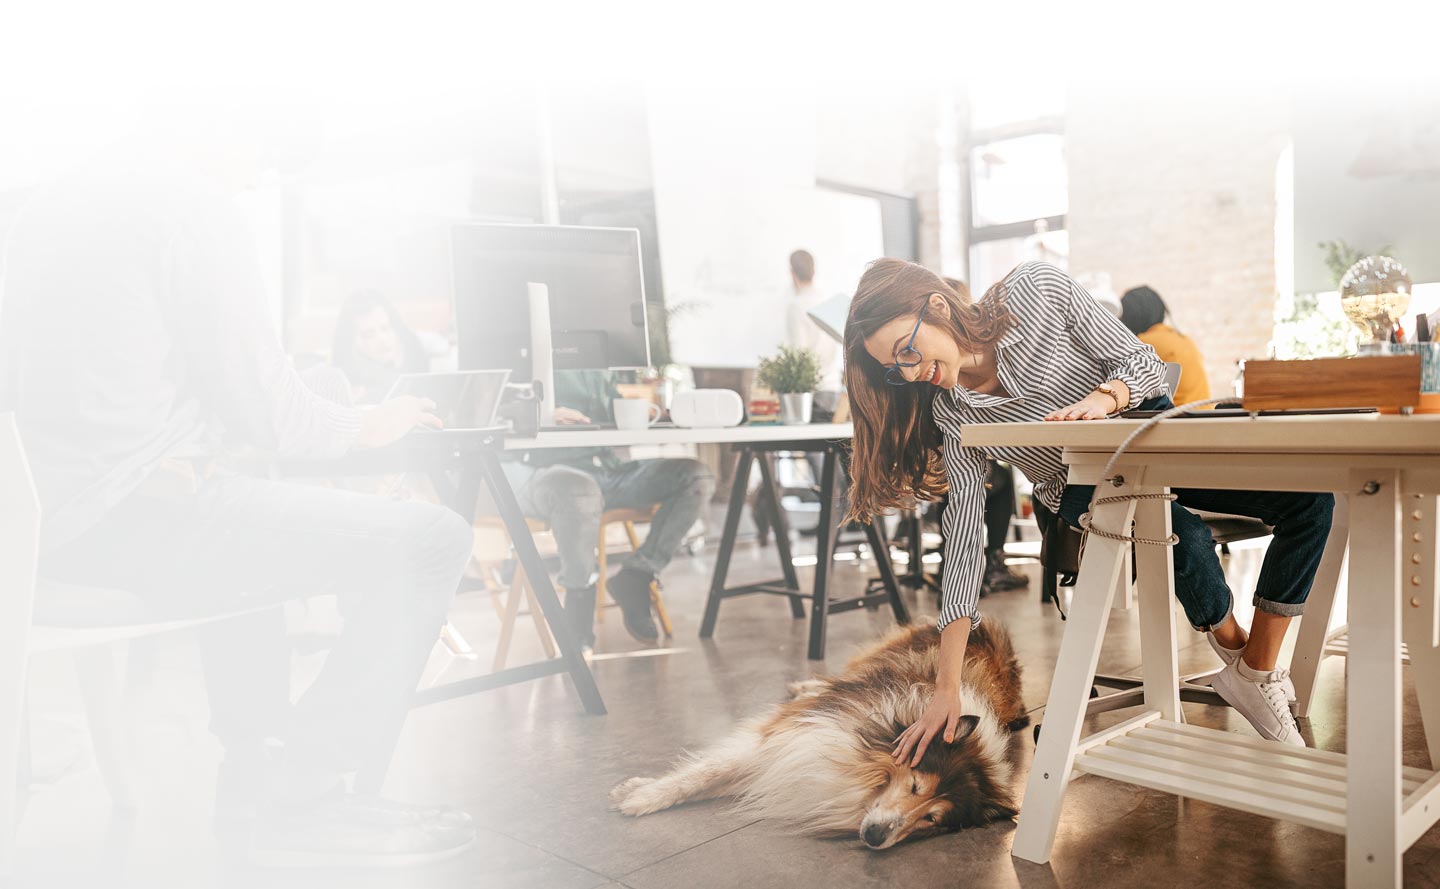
(596, 286)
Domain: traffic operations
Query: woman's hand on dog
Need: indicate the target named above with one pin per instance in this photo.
(941, 717)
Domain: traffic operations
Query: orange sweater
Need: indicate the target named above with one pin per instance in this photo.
(1175, 347)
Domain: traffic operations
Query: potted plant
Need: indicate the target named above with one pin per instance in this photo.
(793, 374)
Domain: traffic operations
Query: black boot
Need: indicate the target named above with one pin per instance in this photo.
(631, 589)
(999, 577)
(580, 614)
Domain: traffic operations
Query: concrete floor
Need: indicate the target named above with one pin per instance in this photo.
(536, 771)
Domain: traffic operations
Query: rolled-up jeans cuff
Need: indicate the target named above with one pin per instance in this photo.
(1283, 609)
(1229, 610)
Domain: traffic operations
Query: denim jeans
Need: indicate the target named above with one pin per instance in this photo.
(393, 564)
(1301, 522)
(571, 499)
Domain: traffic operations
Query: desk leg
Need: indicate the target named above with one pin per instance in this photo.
(824, 556)
(782, 530)
(1320, 608)
(1160, 664)
(1418, 547)
(1074, 674)
(1372, 692)
(875, 533)
(727, 541)
(540, 584)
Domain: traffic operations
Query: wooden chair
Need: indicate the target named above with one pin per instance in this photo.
(629, 518)
(519, 588)
(90, 622)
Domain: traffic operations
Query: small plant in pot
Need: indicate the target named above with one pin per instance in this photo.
(794, 375)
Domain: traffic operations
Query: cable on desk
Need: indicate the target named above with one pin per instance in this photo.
(1086, 520)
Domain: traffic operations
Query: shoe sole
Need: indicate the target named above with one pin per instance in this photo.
(297, 859)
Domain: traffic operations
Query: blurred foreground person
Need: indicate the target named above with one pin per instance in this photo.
(137, 354)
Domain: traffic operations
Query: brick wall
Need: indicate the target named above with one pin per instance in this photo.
(1178, 192)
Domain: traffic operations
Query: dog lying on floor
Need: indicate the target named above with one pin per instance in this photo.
(822, 763)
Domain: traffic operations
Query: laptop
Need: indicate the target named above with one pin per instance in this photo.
(465, 400)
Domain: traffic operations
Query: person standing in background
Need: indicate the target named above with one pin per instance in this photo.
(1143, 311)
(800, 330)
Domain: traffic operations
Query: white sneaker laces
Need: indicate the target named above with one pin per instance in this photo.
(1273, 687)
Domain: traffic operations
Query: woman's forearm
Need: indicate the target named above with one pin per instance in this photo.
(953, 640)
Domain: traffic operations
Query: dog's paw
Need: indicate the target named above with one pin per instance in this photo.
(806, 688)
(623, 790)
(641, 796)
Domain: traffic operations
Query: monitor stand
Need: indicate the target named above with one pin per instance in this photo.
(542, 351)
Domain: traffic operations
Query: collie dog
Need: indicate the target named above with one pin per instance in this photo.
(821, 762)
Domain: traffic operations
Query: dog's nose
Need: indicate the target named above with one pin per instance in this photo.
(874, 835)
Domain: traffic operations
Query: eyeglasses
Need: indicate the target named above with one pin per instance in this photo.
(906, 358)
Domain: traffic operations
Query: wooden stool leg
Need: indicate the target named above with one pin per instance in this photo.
(600, 587)
(656, 601)
(660, 611)
(507, 622)
(541, 629)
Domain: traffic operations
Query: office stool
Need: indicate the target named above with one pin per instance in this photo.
(629, 518)
(519, 587)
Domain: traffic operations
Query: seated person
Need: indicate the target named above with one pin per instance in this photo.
(1143, 311)
(570, 487)
(373, 346)
(137, 355)
(999, 508)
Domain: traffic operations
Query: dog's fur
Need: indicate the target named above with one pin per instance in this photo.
(822, 761)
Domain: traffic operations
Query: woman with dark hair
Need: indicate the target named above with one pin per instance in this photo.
(373, 346)
(920, 360)
(1143, 311)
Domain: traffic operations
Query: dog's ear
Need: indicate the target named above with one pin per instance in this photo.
(964, 727)
(995, 810)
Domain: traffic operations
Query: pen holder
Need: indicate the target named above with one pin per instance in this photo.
(1429, 354)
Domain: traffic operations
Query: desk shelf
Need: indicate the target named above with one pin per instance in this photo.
(1296, 784)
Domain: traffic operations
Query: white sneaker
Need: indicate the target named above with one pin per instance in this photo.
(1261, 701)
(1230, 656)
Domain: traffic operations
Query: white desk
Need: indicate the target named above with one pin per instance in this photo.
(1388, 469)
(620, 438)
(756, 444)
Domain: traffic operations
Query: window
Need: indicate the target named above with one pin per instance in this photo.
(1014, 180)
(1018, 182)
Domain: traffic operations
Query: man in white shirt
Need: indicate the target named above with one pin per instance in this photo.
(800, 330)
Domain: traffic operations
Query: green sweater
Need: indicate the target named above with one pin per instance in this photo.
(590, 393)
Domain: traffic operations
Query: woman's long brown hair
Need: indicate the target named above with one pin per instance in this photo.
(896, 457)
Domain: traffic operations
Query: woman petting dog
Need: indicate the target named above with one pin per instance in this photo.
(921, 360)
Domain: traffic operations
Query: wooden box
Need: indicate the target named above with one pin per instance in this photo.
(1363, 381)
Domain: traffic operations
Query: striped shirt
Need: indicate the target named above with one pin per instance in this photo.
(1063, 346)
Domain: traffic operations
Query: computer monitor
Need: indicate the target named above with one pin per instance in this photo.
(596, 296)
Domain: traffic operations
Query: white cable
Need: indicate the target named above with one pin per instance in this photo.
(1085, 520)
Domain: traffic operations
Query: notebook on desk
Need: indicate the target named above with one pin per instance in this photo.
(1220, 412)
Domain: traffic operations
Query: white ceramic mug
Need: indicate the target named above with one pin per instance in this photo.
(635, 413)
